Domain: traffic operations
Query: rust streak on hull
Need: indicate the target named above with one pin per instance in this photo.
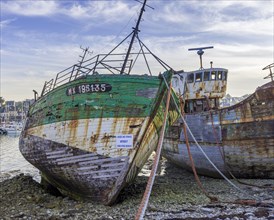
(243, 133)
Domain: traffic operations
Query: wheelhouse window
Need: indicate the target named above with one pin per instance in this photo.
(190, 78)
(213, 75)
(219, 76)
(198, 77)
(206, 76)
(224, 75)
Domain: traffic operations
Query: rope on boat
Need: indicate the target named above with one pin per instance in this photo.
(212, 198)
(143, 205)
(200, 148)
(243, 202)
(221, 149)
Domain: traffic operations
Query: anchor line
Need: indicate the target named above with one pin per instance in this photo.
(221, 149)
(212, 198)
(203, 152)
(200, 148)
(143, 205)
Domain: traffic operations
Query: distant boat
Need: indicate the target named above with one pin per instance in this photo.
(238, 139)
(90, 133)
(3, 131)
(12, 127)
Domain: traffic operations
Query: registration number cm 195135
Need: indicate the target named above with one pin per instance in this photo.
(88, 88)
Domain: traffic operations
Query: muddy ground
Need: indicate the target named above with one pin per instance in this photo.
(175, 195)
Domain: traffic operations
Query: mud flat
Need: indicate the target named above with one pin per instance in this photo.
(175, 195)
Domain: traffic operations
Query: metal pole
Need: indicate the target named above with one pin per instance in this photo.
(136, 29)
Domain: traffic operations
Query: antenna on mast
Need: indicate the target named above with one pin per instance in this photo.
(82, 58)
(270, 66)
(85, 51)
(200, 52)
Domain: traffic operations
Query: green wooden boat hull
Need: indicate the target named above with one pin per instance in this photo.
(90, 137)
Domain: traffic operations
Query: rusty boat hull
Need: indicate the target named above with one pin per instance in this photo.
(238, 139)
(90, 144)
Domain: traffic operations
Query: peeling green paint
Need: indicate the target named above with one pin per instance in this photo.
(125, 99)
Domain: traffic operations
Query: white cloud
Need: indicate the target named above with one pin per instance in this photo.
(107, 11)
(76, 11)
(111, 11)
(6, 22)
(205, 15)
(243, 41)
(30, 8)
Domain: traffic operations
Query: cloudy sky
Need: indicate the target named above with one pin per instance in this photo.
(40, 38)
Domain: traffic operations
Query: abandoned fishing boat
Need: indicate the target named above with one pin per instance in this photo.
(238, 139)
(95, 125)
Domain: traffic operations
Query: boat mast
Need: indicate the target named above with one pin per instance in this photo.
(135, 32)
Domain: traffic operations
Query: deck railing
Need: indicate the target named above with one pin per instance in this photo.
(105, 63)
(90, 66)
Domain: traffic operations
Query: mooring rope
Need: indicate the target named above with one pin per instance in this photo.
(216, 168)
(227, 167)
(200, 148)
(221, 149)
(212, 198)
(258, 201)
(143, 205)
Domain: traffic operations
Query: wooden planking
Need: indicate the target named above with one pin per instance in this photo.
(76, 175)
(245, 131)
(55, 152)
(94, 135)
(202, 128)
(202, 165)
